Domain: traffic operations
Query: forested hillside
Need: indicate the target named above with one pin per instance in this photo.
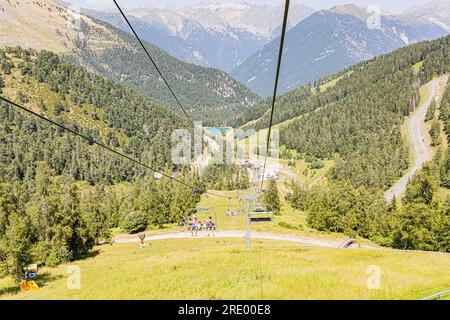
(361, 131)
(208, 94)
(117, 116)
(59, 195)
(362, 123)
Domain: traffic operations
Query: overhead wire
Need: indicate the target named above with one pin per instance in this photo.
(94, 142)
(275, 91)
(127, 21)
(153, 62)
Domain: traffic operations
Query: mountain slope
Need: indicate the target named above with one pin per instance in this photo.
(208, 94)
(357, 121)
(326, 42)
(212, 35)
(222, 48)
(105, 111)
(435, 12)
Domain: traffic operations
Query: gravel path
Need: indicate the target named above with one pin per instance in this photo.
(233, 234)
(417, 134)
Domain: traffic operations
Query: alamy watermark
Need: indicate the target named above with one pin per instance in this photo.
(73, 281)
(374, 18)
(222, 145)
(74, 18)
(373, 278)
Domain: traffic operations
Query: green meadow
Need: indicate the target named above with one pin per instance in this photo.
(222, 269)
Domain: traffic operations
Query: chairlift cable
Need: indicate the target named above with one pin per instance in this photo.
(280, 55)
(92, 141)
(153, 62)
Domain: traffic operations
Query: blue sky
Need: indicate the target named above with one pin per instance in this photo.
(386, 5)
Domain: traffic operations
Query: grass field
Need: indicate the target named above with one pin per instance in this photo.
(332, 83)
(223, 269)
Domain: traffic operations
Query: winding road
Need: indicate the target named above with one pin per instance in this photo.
(417, 133)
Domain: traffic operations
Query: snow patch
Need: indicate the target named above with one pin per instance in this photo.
(404, 38)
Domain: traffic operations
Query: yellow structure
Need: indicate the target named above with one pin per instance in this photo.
(28, 285)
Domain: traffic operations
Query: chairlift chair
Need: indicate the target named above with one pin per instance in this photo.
(212, 213)
(234, 210)
(260, 214)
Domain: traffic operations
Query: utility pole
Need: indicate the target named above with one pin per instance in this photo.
(248, 200)
(247, 233)
(256, 210)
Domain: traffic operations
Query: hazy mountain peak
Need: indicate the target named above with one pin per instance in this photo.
(46, 24)
(351, 9)
(261, 20)
(436, 12)
(327, 42)
(442, 6)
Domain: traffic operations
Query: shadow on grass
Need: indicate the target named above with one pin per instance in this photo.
(92, 254)
(46, 277)
(9, 291)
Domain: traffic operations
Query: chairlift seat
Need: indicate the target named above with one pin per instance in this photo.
(261, 216)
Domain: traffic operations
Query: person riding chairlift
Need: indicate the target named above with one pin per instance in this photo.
(194, 225)
(210, 226)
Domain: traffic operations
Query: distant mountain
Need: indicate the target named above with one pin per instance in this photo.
(208, 94)
(260, 20)
(212, 35)
(221, 47)
(436, 12)
(326, 42)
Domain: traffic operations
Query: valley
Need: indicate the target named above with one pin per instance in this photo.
(208, 94)
(355, 203)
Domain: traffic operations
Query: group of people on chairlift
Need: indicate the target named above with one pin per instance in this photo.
(197, 225)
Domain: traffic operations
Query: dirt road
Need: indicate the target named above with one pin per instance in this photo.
(233, 234)
(417, 134)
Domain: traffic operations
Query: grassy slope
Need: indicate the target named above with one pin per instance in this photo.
(223, 269)
(36, 92)
(47, 25)
(324, 87)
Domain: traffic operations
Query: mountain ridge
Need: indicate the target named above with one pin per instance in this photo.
(208, 94)
(212, 35)
(327, 42)
(436, 12)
